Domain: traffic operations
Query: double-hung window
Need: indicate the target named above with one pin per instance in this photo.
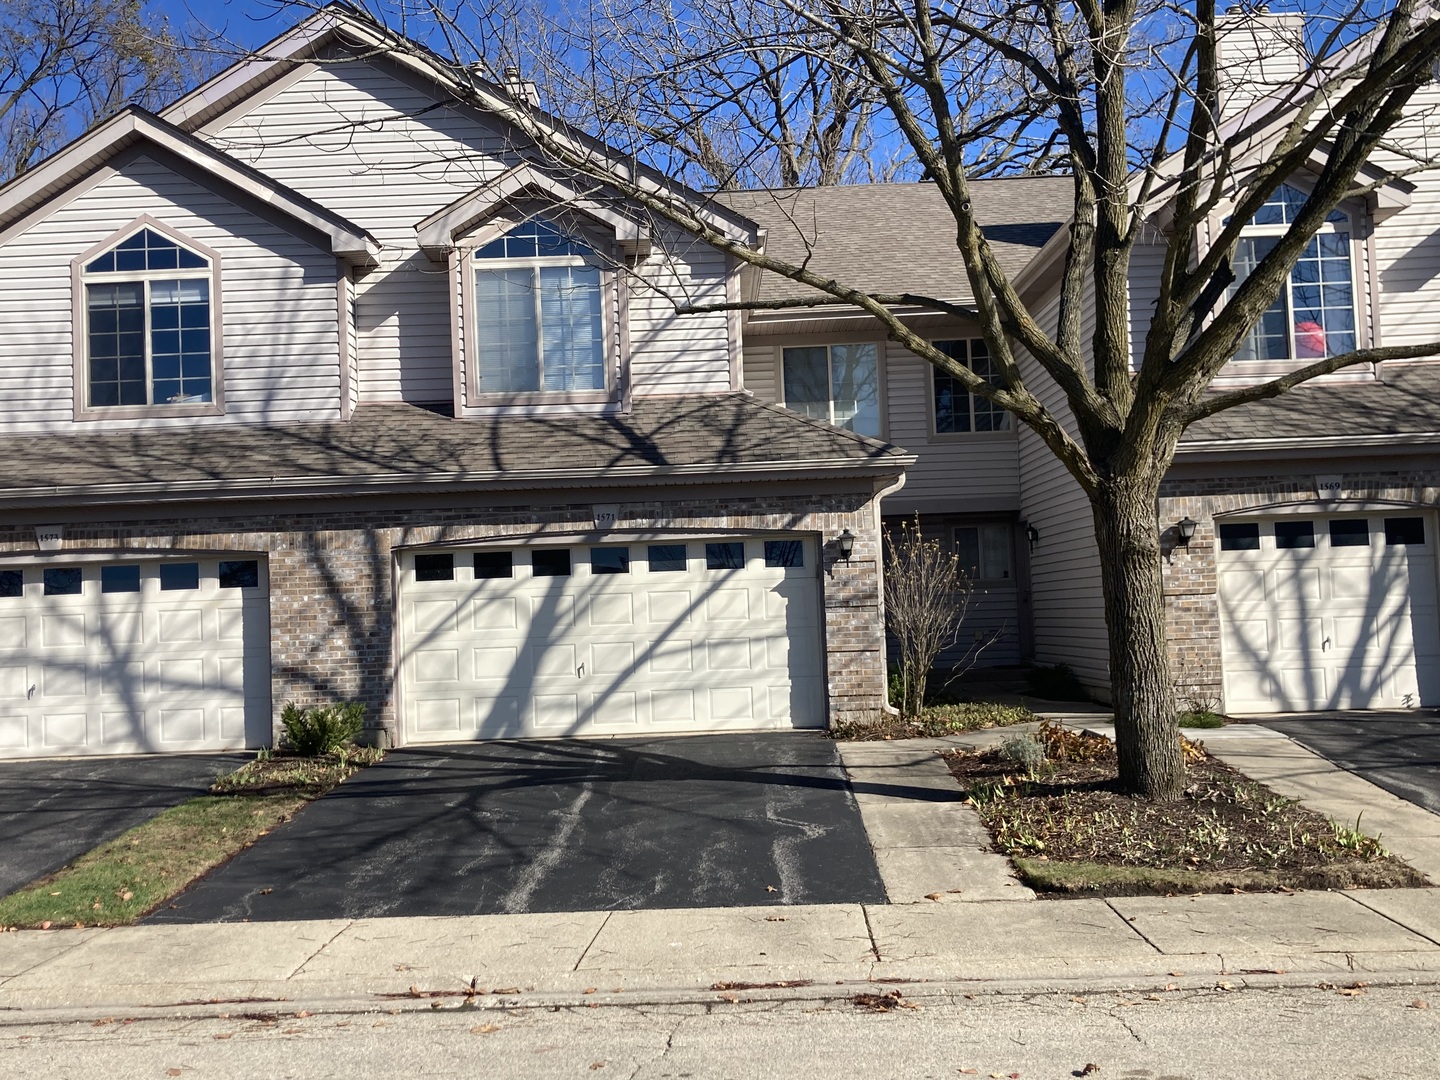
(539, 320)
(1314, 315)
(149, 324)
(958, 410)
(983, 551)
(836, 383)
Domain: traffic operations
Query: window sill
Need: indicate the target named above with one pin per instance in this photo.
(544, 397)
(971, 436)
(149, 412)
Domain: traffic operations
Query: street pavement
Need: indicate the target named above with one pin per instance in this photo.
(54, 810)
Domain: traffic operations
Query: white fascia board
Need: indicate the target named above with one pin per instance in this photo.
(92, 149)
(438, 233)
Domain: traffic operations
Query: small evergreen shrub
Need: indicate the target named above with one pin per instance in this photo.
(1025, 751)
(321, 729)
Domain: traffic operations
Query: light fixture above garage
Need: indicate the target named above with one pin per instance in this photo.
(1185, 527)
(846, 543)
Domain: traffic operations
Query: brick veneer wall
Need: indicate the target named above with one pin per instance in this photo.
(1191, 585)
(331, 609)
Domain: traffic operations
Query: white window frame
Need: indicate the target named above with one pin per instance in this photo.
(1008, 430)
(80, 314)
(1280, 365)
(829, 346)
(471, 267)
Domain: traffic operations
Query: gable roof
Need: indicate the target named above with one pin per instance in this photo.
(711, 438)
(339, 23)
(899, 238)
(136, 127)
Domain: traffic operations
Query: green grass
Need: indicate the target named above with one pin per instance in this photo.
(936, 721)
(130, 876)
(1096, 879)
(1200, 718)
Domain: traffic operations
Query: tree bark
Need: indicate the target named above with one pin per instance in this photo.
(1144, 696)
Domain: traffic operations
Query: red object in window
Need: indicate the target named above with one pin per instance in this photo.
(1309, 339)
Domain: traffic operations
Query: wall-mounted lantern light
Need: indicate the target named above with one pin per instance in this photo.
(846, 543)
(1185, 527)
(1032, 534)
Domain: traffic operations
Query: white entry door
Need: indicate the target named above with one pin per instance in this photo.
(666, 636)
(132, 656)
(1329, 613)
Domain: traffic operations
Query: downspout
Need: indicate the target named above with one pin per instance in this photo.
(885, 706)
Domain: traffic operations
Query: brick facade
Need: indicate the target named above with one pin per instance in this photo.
(331, 603)
(1189, 572)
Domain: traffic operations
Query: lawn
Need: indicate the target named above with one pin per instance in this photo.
(1054, 807)
(128, 877)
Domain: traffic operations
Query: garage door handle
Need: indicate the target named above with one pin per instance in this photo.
(580, 671)
(1325, 644)
(30, 693)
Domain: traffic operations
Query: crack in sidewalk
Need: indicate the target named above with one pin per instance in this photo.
(1135, 928)
(323, 946)
(591, 943)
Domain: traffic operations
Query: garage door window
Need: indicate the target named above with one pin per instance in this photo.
(12, 583)
(179, 576)
(1240, 536)
(1405, 530)
(434, 567)
(1294, 534)
(494, 564)
(610, 560)
(1349, 532)
(784, 553)
(550, 562)
(240, 574)
(725, 556)
(119, 579)
(666, 558)
(62, 581)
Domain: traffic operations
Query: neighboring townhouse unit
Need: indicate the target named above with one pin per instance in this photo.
(318, 389)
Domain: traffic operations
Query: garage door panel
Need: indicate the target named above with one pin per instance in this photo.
(182, 726)
(14, 732)
(125, 680)
(14, 683)
(500, 613)
(121, 627)
(437, 666)
(57, 631)
(1344, 627)
(64, 677)
(638, 651)
(63, 729)
(12, 633)
(437, 716)
(186, 626)
(434, 616)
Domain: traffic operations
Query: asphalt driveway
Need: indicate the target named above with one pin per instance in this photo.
(53, 810)
(1398, 751)
(566, 825)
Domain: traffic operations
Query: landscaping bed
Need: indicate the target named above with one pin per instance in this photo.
(936, 721)
(1056, 810)
(128, 877)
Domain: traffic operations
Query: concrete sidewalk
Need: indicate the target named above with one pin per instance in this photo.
(625, 957)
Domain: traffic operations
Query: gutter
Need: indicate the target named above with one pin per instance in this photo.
(1372, 444)
(260, 488)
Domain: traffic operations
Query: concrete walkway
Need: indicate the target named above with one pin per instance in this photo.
(627, 957)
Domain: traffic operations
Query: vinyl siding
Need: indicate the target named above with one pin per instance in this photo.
(274, 369)
(371, 146)
(1067, 602)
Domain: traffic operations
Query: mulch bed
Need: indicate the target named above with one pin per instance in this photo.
(1070, 830)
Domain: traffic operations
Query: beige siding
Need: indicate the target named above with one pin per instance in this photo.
(1068, 606)
(760, 369)
(1146, 263)
(275, 369)
(372, 147)
(954, 473)
(671, 353)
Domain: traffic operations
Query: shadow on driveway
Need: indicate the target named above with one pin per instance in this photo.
(564, 825)
(55, 809)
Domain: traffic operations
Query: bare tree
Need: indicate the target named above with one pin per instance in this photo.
(64, 64)
(927, 595)
(1129, 96)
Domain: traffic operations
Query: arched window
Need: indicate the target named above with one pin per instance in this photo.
(1314, 315)
(148, 324)
(539, 313)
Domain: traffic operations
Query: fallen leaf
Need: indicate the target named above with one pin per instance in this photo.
(1419, 1003)
(45, 925)
(1350, 991)
(589, 990)
(507, 990)
(293, 1031)
(771, 888)
(933, 895)
(597, 1064)
(1177, 974)
(774, 918)
(484, 1029)
(174, 1072)
(1224, 986)
(54, 894)
(1090, 1069)
(967, 1071)
(266, 892)
(220, 1035)
(302, 1014)
(1079, 1001)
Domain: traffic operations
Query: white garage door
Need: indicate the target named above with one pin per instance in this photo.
(133, 657)
(660, 636)
(1329, 613)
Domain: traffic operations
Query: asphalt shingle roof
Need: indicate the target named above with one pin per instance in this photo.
(1406, 402)
(399, 444)
(898, 238)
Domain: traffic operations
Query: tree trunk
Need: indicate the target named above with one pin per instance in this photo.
(1144, 697)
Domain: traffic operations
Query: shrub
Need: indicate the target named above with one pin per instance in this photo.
(321, 729)
(1199, 718)
(1025, 751)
